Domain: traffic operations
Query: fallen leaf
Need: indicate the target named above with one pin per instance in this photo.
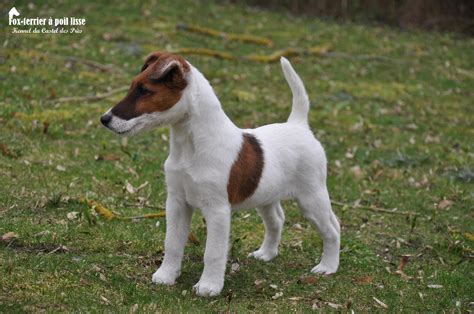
(445, 204)
(295, 299)
(130, 189)
(45, 127)
(469, 236)
(60, 249)
(6, 151)
(308, 279)
(403, 262)
(357, 172)
(105, 299)
(259, 284)
(141, 186)
(334, 305)
(42, 233)
(101, 210)
(9, 236)
(193, 239)
(298, 227)
(108, 157)
(277, 295)
(72, 215)
(364, 280)
(380, 303)
(133, 309)
(235, 267)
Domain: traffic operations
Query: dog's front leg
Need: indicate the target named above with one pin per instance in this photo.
(215, 256)
(178, 219)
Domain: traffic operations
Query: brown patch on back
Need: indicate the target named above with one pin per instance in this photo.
(157, 88)
(246, 171)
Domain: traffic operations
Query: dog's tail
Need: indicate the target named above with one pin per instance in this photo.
(300, 107)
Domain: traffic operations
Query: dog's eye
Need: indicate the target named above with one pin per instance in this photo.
(142, 90)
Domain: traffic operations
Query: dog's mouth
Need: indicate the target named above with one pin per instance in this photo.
(123, 132)
(119, 132)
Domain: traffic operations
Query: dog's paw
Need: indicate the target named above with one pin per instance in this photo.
(324, 269)
(264, 255)
(207, 289)
(164, 277)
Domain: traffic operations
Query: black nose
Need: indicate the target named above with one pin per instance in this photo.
(105, 119)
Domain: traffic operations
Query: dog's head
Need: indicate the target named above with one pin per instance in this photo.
(154, 98)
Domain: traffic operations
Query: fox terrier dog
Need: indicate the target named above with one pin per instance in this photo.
(217, 167)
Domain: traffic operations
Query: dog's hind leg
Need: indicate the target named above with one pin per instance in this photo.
(273, 219)
(316, 207)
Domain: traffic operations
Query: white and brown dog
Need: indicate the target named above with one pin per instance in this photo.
(217, 167)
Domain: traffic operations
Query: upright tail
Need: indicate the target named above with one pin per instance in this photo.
(300, 107)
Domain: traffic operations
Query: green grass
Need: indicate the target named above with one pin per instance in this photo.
(405, 119)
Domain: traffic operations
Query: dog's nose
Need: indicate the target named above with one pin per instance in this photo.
(105, 119)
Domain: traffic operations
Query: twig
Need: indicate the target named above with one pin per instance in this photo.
(363, 57)
(376, 209)
(94, 64)
(91, 97)
(205, 52)
(245, 38)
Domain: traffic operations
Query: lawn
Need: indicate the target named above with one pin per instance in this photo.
(393, 109)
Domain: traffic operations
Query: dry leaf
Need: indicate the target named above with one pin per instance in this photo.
(42, 233)
(298, 227)
(295, 299)
(308, 279)
(235, 267)
(6, 151)
(357, 172)
(277, 295)
(334, 305)
(380, 303)
(105, 299)
(72, 215)
(193, 239)
(403, 262)
(141, 186)
(469, 236)
(445, 204)
(130, 189)
(259, 284)
(9, 236)
(364, 280)
(108, 157)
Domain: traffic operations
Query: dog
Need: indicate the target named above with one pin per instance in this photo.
(217, 167)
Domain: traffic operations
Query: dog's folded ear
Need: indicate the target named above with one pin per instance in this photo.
(149, 60)
(165, 70)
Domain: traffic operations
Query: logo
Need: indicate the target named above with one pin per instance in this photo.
(61, 25)
(13, 12)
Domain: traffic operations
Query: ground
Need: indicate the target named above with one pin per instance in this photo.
(393, 109)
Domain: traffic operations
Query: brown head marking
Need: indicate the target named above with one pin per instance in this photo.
(157, 88)
(246, 171)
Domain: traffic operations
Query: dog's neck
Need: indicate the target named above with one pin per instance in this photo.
(205, 129)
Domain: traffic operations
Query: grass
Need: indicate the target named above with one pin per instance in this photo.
(397, 131)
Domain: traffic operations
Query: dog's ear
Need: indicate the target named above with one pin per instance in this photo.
(149, 60)
(166, 70)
